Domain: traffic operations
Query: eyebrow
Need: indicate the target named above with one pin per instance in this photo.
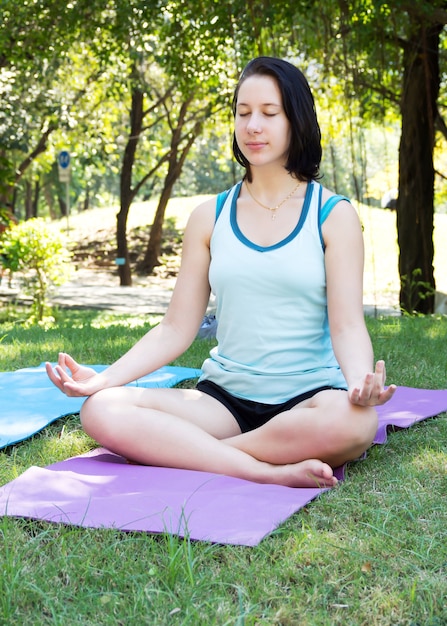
(264, 104)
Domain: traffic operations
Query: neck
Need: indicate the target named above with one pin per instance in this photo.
(275, 205)
(270, 173)
(272, 184)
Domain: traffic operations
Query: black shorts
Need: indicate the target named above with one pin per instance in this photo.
(249, 414)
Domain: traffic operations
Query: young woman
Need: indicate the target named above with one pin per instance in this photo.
(289, 391)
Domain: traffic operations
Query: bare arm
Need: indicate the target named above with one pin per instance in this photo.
(352, 345)
(175, 332)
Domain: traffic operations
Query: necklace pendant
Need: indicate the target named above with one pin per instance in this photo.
(275, 208)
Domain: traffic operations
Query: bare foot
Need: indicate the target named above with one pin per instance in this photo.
(309, 473)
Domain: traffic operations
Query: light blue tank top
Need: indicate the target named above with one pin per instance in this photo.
(273, 334)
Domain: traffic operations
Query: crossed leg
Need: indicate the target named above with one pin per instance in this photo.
(327, 427)
(187, 429)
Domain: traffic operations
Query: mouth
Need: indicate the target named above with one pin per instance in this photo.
(252, 145)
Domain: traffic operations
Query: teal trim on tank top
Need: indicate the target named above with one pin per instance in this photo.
(221, 198)
(329, 205)
(323, 212)
(283, 242)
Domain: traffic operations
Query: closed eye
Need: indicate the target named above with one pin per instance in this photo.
(265, 114)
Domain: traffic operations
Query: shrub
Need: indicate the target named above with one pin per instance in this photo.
(39, 253)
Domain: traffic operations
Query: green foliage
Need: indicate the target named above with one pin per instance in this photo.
(415, 291)
(5, 219)
(36, 40)
(38, 251)
(65, 83)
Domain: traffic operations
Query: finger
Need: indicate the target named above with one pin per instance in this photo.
(72, 365)
(367, 388)
(63, 375)
(53, 377)
(377, 383)
(388, 394)
(71, 389)
(380, 365)
(65, 361)
(354, 395)
(383, 396)
(61, 359)
(380, 371)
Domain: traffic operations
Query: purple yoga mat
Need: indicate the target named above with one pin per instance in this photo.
(100, 489)
(408, 406)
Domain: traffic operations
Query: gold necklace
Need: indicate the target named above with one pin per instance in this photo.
(274, 208)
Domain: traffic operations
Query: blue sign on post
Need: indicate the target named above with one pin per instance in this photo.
(64, 159)
(64, 166)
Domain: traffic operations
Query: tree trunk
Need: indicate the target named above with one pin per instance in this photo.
(123, 264)
(62, 206)
(153, 250)
(86, 203)
(36, 198)
(415, 204)
(28, 200)
(176, 161)
(31, 199)
(126, 191)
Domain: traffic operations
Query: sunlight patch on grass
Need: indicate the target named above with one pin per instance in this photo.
(431, 461)
(106, 320)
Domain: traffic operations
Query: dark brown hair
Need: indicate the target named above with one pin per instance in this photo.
(305, 140)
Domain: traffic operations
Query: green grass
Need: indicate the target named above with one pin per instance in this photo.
(373, 551)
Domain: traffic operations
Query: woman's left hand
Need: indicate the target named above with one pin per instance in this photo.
(372, 391)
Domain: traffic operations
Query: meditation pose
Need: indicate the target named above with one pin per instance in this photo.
(289, 391)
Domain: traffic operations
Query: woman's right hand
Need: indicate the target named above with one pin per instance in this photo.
(73, 379)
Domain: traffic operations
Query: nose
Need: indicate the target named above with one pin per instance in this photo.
(254, 124)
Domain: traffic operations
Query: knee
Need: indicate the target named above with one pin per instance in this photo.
(362, 428)
(352, 433)
(370, 422)
(94, 412)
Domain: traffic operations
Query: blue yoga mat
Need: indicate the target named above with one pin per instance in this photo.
(30, 401)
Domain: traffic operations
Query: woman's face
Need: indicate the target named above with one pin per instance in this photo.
(262, 129)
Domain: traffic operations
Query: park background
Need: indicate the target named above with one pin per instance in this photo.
(139, 94)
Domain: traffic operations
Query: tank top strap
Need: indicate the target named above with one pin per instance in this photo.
(327, 207)
(223, 196)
